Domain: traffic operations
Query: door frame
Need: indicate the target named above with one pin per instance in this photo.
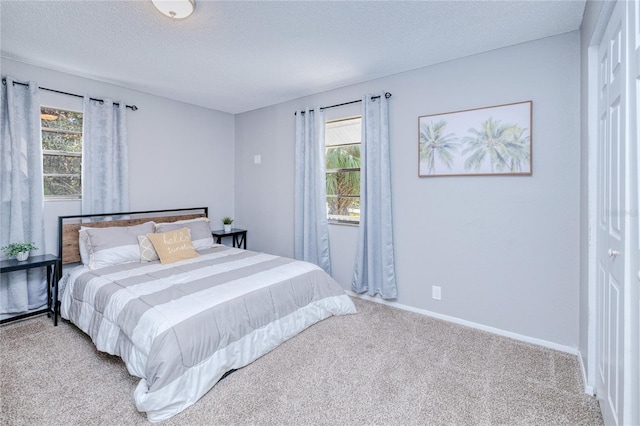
(593, 119)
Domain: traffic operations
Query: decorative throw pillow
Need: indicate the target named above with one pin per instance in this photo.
(198, 228)
(174, 245)
(147, 252)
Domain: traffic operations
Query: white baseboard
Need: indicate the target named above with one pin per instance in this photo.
(498, 331)
(587, 389)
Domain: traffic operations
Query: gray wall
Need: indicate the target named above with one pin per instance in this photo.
(180, 155)
(504, 249)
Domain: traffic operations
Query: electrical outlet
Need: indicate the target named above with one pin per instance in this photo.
(436, 292)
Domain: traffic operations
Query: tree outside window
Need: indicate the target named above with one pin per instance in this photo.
(342, 155)
(61, 153)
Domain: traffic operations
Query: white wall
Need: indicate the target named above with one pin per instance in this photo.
(180, 155)
(505, 249)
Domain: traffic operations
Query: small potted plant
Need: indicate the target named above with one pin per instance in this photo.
(227, 221)
(19, 250)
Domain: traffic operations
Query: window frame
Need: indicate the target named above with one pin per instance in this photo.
(334, 221)
(53, 152)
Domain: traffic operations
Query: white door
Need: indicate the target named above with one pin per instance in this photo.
(611, 218)
(633, 371)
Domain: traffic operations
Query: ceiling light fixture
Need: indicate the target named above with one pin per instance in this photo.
(175, 9)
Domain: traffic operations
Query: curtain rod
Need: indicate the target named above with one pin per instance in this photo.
(387, 95)
(131, 107)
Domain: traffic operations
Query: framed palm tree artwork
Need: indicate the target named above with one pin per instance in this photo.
(494, 140)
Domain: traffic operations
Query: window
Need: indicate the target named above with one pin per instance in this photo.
(61, 153)
(342, 154)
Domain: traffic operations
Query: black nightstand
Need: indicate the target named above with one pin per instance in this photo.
(53, 264)
(239, 236)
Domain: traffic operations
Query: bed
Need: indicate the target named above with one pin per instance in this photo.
(182, 325)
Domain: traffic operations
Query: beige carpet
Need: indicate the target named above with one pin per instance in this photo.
(381, 366)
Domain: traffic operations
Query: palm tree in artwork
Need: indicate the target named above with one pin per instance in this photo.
(506, 147)
(433, 142)
(518, 148)
(488, 141)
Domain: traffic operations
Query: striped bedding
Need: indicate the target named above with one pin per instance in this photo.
(181, 326)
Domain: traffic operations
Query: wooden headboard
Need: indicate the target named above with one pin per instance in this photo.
(68, 226)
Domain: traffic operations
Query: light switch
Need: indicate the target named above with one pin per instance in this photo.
(257, 159)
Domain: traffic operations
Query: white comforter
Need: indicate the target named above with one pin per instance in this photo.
(181, 326)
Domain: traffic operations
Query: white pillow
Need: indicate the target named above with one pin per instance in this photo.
(200, 232)
(83, 244)
(197, 219)
(115, 245)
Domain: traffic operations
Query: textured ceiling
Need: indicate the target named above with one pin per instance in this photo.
(238, 56)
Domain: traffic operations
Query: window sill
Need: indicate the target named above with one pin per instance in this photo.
(353, 225)
(61, 199)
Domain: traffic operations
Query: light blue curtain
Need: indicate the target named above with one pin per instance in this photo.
(375, 266)
(311, 229)
(105, 172)
(22, 193)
